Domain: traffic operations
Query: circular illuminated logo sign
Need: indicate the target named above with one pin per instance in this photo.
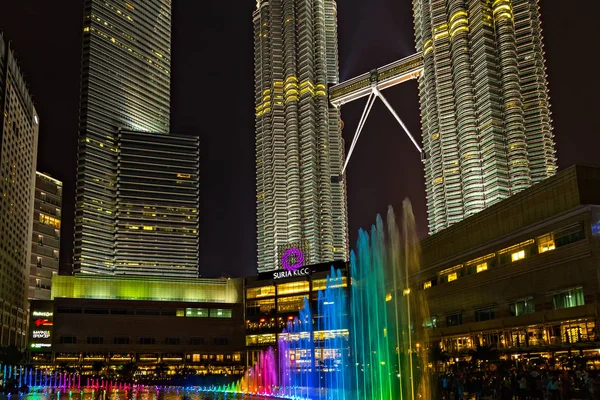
(292, 259)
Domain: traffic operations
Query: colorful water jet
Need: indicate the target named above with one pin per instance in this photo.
(356, 342)
(385, 304)
(361, 343)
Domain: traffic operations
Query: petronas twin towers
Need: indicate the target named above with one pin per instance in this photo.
(485, 117)
(298, 134)
(484, 104)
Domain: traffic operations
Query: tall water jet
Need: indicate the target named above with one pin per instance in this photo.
(365, 346)
(390, 355)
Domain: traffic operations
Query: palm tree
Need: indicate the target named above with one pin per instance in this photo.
(438, 355)
(11, 355)
(160, 369)
(127, 371)
(483, 354)
(98, 366)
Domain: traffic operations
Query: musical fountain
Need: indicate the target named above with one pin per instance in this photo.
(358, 342)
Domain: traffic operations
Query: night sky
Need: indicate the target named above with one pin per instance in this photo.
(212, 97)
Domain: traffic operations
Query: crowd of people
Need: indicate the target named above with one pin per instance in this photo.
(531, 384)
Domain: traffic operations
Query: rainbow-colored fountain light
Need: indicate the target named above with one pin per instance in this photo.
(358, 343)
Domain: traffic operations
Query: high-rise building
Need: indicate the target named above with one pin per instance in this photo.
(301, 201)
(156, 232)
(485, 110)
(125, 84)
(19, 126)
(45, 239)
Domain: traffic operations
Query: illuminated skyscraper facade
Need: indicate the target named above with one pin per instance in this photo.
(45, 240)
(485, 110)
(156, 231)
(125, 84)
(19, 126)
(299, 147)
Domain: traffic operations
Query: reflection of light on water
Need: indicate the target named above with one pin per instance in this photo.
(180, 394)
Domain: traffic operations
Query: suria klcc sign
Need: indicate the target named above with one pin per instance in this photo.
(292, 261)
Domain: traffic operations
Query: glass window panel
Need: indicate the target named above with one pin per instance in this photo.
(568, 298)
(196, 312)
(293, 287)
(291, 304)
(257, 292)
(220, 313)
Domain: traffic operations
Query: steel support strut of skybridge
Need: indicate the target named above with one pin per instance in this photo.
(375, 93)
(371, 84)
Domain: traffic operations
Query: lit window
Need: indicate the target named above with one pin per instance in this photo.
(196, 312)
(519, 255)
(220, 313)
(427, 285)
(293, 287)
(482, 267)
(48, 220)
(568, 298)
(452, 277)
(546, 243)
(195, 357)
(521, 307)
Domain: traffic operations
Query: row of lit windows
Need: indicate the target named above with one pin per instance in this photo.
(519, 251)
(271, 338)
(292, 288)
(567, 298)
(180, 312)
(535, 336)
(145, 340)
(48, 220)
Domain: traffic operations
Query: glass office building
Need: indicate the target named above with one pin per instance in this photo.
(125, 84)
(19, 126)
(301, 199)
(485, 114)
(45, 240)
(156, 229)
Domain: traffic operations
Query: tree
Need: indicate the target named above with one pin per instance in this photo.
(437, 355)
(160, 369)
(98, 366)
(128, 370)
(11, 355)
(483, 354)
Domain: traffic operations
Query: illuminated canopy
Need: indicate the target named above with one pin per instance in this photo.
(142, 288)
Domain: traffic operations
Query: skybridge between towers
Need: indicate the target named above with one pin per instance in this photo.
(370, 85)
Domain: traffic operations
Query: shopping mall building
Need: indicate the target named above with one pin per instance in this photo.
(198, 323)
(522, 275)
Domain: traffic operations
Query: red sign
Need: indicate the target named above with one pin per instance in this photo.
(42, 322)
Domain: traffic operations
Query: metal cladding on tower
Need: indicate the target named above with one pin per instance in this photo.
(137, 185)
(484, 104)
(299, 146)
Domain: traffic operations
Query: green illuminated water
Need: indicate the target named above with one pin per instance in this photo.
(389, 357)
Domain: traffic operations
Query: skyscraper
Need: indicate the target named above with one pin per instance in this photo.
(485, 113)
(125, 84)
(301, 207)
(19, 126)
(45, 239)
(157, 205)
